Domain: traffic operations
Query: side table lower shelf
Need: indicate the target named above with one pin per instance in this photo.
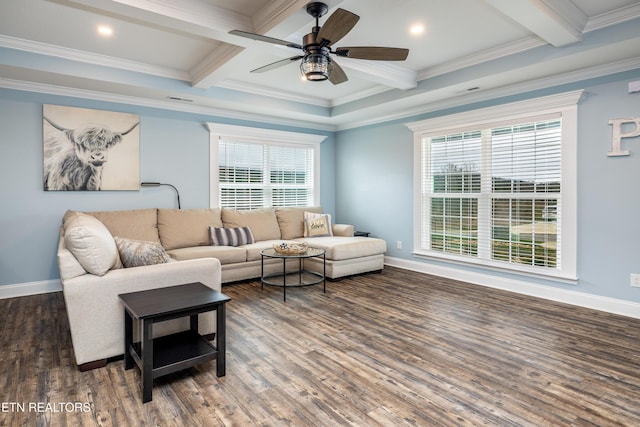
(172, 353)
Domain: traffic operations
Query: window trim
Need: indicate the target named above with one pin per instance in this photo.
(567, 105)
(218, 131)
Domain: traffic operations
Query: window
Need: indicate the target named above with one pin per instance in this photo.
(497, 187)
(253, 168)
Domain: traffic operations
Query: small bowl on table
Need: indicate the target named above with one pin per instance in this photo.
(291, 248)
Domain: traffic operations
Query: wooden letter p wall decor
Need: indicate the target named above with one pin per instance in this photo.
(618, 134)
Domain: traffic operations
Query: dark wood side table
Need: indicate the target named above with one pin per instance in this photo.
(361, 234)
(171, 353)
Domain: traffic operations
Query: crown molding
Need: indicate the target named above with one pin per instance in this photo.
(304, 99)
(90, 58)
(481, 57)
(161, 104)
(335, 123)
(597, 22)
(338, 124)
(359, 95)
(221, 130)
(485, 95)
(503, 111)
(272, 93)
(614, 17)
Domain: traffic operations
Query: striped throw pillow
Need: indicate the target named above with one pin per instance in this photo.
(230, 236)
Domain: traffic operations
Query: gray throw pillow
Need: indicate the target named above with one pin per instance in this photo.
(235, 236)
(136, 253)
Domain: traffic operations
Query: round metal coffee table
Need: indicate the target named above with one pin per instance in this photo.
(298, 278)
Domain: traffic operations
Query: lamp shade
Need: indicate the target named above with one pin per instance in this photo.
(316, 67)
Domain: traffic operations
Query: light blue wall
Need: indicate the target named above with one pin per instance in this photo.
(375, 187)
(375, 192)
(367, 180)
(174, 148)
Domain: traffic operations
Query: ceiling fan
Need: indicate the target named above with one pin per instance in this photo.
(317, 46)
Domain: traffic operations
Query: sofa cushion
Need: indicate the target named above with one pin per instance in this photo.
(291, 220)
(90, 243)
(253, 250)
(137, 224)
(185, 228)
(342, 248)
(230, 236)
(225, 254)
(317, 225)
(136, 253)
(342, 230)
(263, 222)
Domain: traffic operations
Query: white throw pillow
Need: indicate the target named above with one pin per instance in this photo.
(317, 225)
(91, 243)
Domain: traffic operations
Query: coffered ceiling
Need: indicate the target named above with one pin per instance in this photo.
(180, 55)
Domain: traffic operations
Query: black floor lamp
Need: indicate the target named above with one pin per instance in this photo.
(158, 184)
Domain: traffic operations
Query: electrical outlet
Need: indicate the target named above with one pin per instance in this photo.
(635, 280)
(399, 246)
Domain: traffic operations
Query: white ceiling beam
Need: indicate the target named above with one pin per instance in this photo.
(209, 71)
(205, 20)
(190, 16)
(388, 74)
(558, 22)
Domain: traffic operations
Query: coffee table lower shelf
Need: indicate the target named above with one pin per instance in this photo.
(172, 353)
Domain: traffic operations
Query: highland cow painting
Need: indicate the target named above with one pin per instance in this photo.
(90, 150)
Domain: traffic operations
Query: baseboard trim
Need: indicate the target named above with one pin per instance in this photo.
(580, 299)
(30, 288)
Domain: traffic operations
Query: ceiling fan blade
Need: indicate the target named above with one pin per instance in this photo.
(277, 64)
(266, 39)
(374, 53)
(337, 75)
(336, 27)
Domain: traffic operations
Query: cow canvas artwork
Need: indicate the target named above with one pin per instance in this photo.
(90, 150)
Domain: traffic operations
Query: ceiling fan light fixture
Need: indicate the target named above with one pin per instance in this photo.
(317, 46)
(316, 67)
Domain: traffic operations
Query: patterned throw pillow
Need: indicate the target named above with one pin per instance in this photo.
(135, 253)
(317, 225)
(230, 236)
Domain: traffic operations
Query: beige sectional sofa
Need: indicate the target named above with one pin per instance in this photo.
(103, 254)
(184, 234)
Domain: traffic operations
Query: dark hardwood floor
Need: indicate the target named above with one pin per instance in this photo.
(396, 348)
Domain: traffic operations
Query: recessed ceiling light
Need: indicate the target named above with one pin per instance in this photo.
(104, 30)
(417, 29)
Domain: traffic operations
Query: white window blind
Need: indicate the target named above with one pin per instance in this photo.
(493, 193)
(500, 192)
(241, 175)
(252, 168)
(255, 175)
